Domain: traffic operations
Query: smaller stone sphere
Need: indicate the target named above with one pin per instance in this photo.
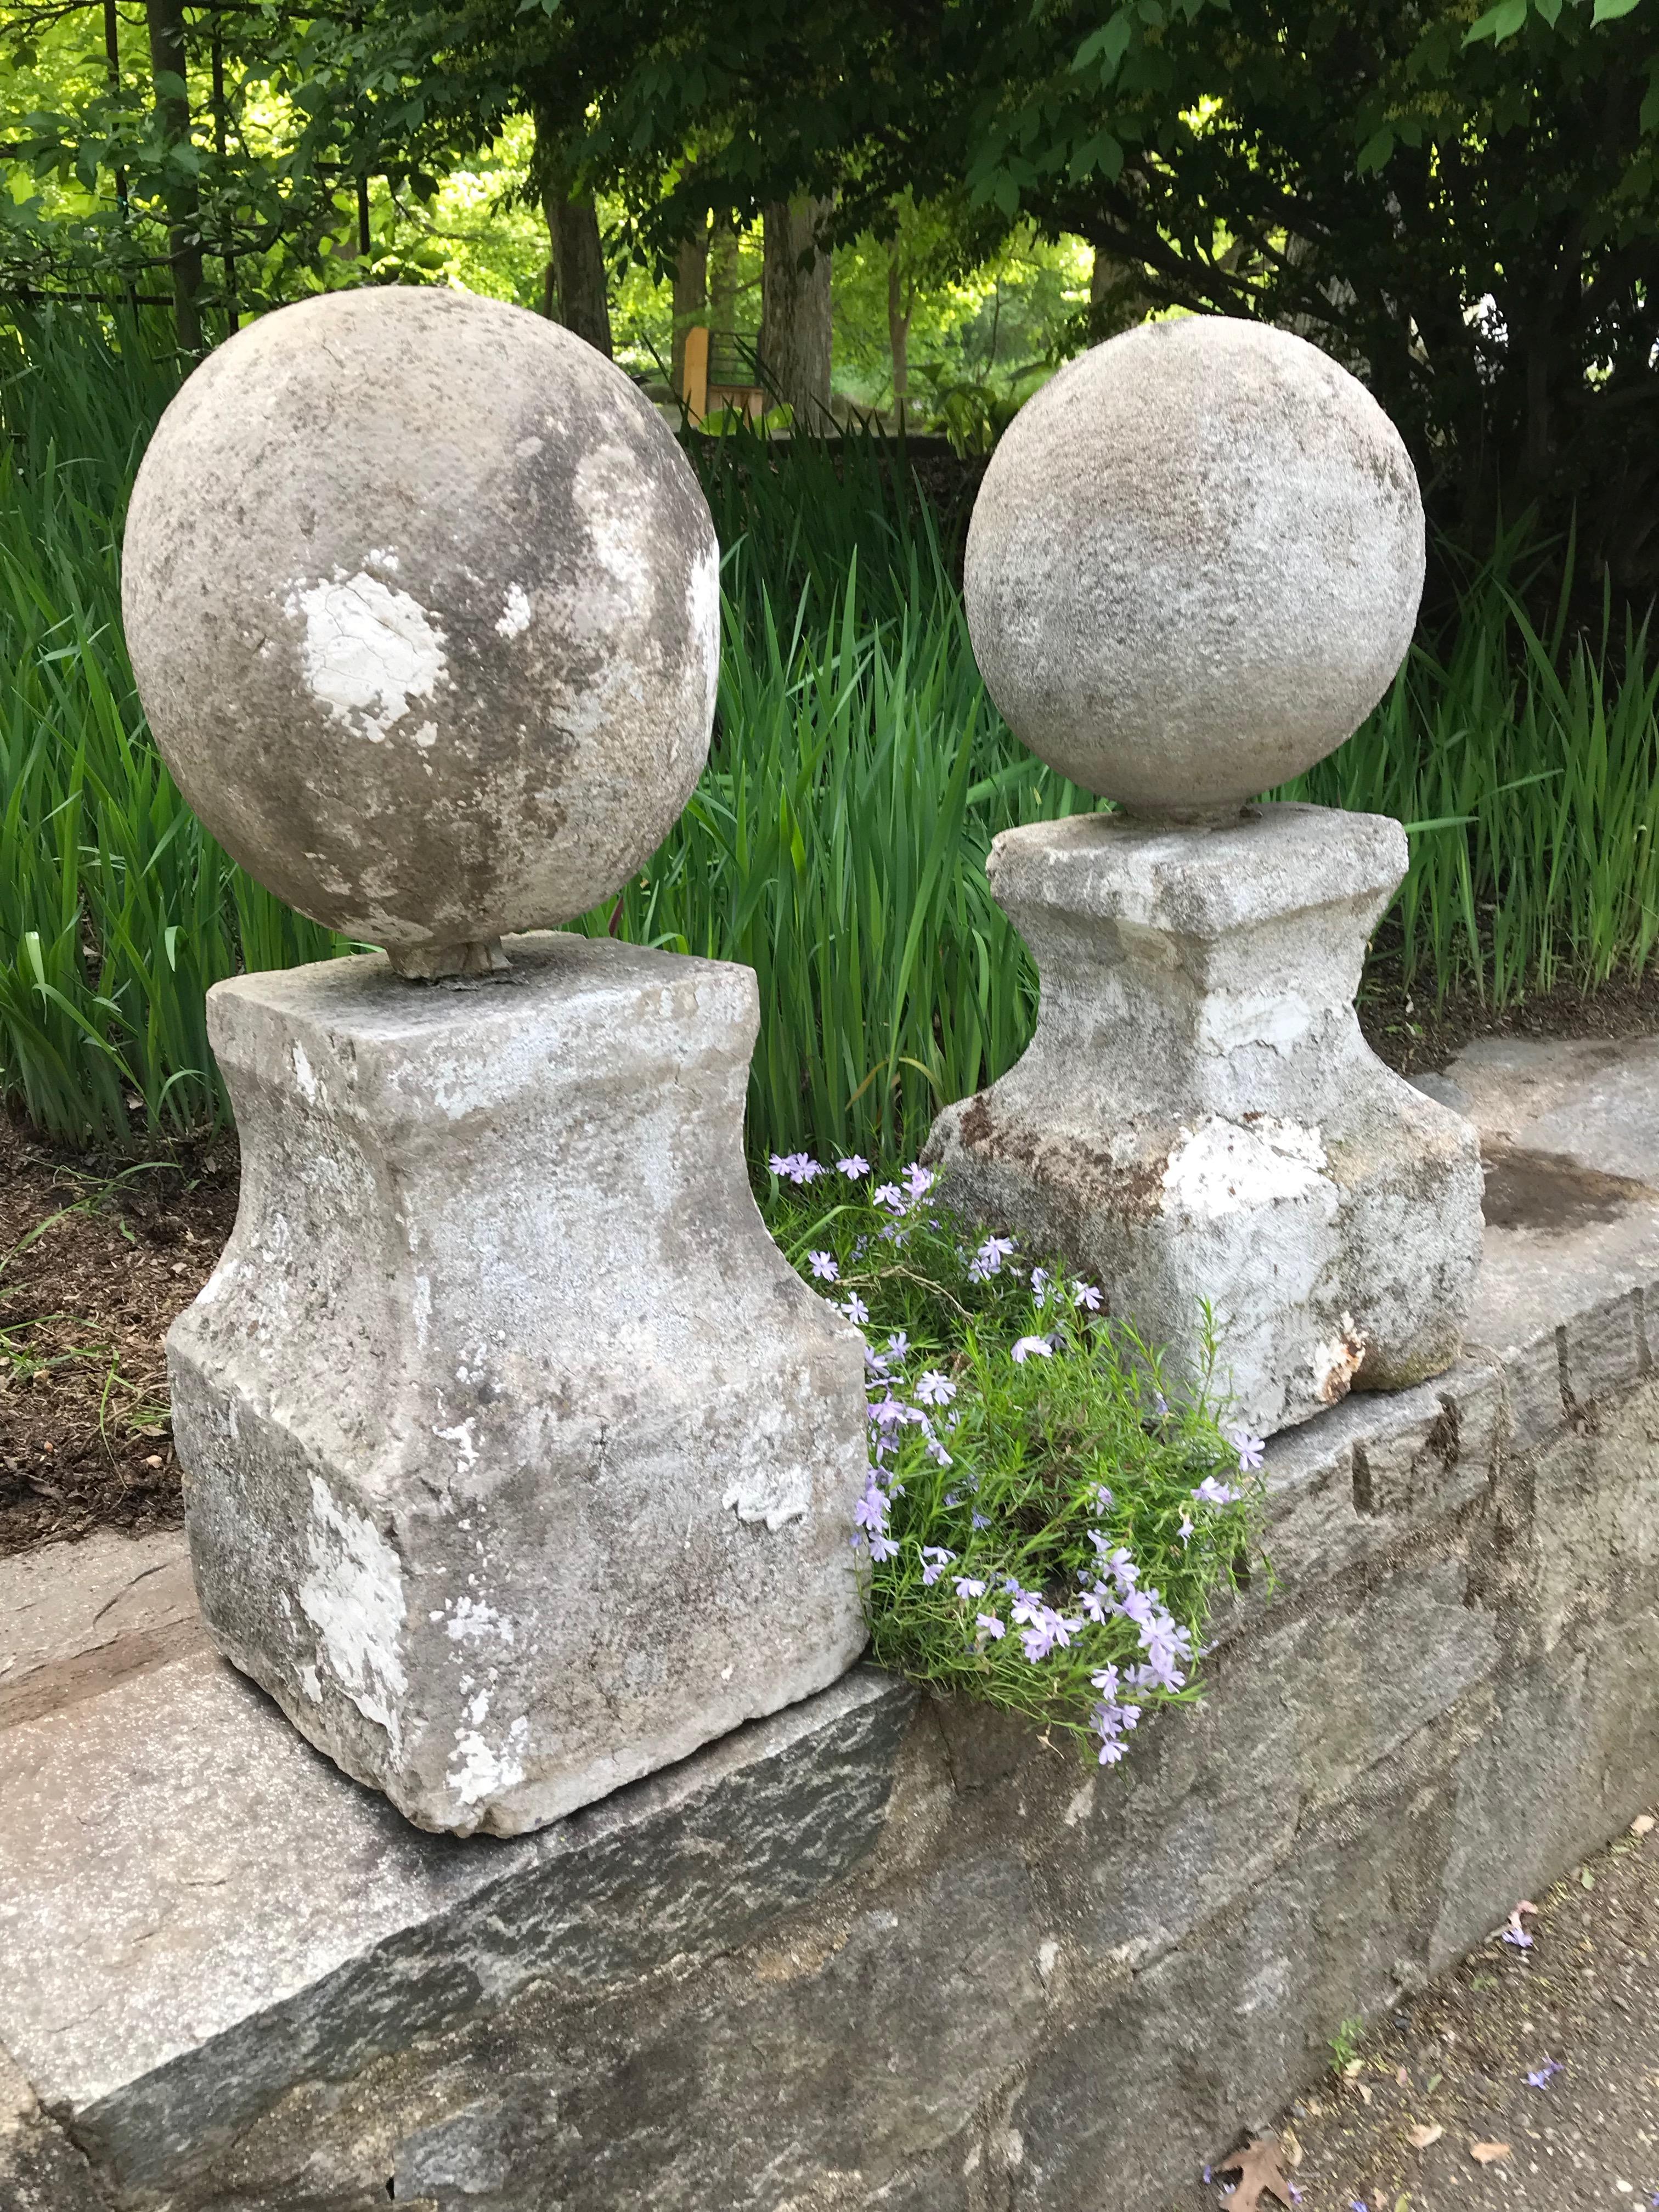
(424, 605)
(1194, 565)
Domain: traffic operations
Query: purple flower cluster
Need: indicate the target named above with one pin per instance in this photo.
(1114, 1593)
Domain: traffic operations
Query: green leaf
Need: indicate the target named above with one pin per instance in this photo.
(1500, 22)
(1107, 45)
(1375, 153)
(1549, 9)
(1609, 11)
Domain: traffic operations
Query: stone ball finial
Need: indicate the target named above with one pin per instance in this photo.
(1194, 565)
(424, 605)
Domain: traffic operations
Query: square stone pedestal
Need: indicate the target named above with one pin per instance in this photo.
(518, 1463)
(1198, 1118)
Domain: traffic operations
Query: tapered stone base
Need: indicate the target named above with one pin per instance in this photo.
(518, 1462)
(1198, 1119)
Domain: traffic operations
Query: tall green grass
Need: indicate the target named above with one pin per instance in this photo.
(837, 842)
(1525, 761)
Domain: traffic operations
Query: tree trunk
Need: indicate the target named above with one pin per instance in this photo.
(573, 285)
(1117, 299)
(795, 310)
(690, 296)
(723, 279)
(898, 333)
(165, 19)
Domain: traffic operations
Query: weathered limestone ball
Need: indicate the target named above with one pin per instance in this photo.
(423, 599)
(1194, 564)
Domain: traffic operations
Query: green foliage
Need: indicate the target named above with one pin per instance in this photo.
(1527, 767)
(116, 912)
(1037, 1464)
(837, 842)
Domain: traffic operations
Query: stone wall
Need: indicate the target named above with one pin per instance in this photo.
(876, 1950)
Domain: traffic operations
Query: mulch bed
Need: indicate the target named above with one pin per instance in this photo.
(99, 1253)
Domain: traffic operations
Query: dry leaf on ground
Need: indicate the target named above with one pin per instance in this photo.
(1258, 2168)
(1642, 1825)
(1290, 2148)
(1487, 2152)
(1363, 2091)
(1421, 2137)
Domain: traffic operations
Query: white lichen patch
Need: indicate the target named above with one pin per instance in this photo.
(472, 1620)
(1337, 1361)
(1229, 1021)
(353, 1598)
(366, 652)
(1224, 1167)
(515, 615)
(305, 1080)
(774, 1495)
(478, 1769)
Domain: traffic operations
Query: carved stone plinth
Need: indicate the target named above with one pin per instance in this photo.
(518, 1462)
(1199, 1118)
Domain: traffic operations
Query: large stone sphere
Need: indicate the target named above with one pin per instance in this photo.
(1194, 565)
(423, 599)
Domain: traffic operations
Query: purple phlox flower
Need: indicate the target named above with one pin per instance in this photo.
(1098, 1602)
(1206, 2177)
(1356, 2204)
(823, 1266)
(919, 1180)
(1514, 1933)
(981, 1520)
(1186, 1526)
(1119, 1564)
(1248, 1448)
(1031, 1347)
(898, 1346)
(1110, 1752)
(955, 1497)
(882, 1547)
(1041, 1279)
(1541, 2076)
(992, 1253)
(1047, 1630)
(934, 1560)
(1140, 1606)
(1212, 1493)
(1086, 1295)
(889, 1412)
(796, 1167)
(934, 1389)
(1029, 1605)
(1106, 1682)
(1296, 2194)
(1140, 1678)
(1160, 1405)
(1104, 1498)
(854, 1309)
(871, 1511)
(937, 1453)
(854, 1166)
(969, 1586)
(993, 1627)
(887, 1194)
(875, 1362)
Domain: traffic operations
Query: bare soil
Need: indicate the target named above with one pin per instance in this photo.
(98, 1252)
(96, 1256)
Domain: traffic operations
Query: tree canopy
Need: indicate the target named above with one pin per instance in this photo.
(1461, 201)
